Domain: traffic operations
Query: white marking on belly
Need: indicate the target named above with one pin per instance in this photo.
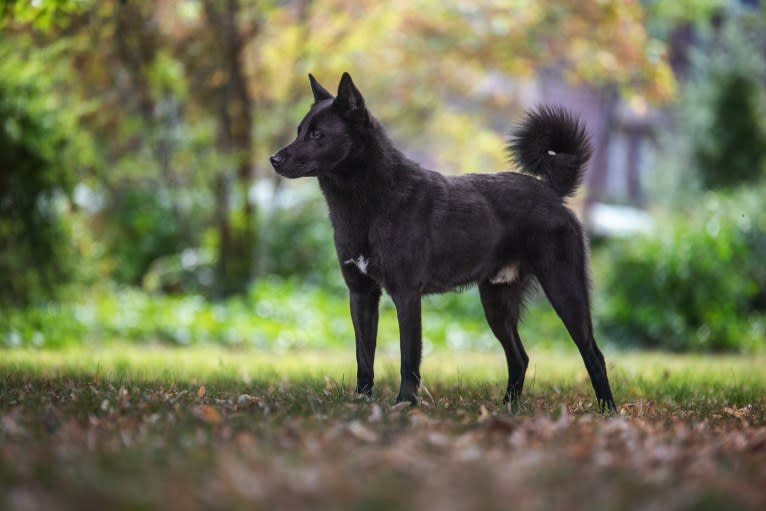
(506, 275)
(360, 263)
(552, 153)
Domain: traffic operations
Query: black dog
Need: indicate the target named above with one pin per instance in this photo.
(412, 231)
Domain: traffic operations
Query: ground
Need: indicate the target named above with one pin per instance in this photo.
(206, 428)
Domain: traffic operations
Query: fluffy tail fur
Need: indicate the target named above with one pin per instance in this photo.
(551, 143)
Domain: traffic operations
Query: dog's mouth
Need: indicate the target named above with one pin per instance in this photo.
(297, 171)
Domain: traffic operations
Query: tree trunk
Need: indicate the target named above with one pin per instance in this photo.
(234, 139)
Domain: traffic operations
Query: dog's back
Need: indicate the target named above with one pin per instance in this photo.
(444, 232)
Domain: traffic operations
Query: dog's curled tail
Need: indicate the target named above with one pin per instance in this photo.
(551, 143)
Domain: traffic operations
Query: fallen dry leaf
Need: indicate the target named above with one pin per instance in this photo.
(498, 424)
(362, 432)
(758, 441)
(123, 398)
(376, 414)
(244, 399)
(484, 415)
(10, 426)
(208, 414)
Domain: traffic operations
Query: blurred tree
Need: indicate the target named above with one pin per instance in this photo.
(134, 91)
(436, 68)
(729, 144)
(233, 107)
(735, 150)
(36, 251)
(598, 42)
(156, 53)
(174, 90)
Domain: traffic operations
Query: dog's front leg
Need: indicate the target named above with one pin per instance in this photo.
(364, 315)
(410, 343)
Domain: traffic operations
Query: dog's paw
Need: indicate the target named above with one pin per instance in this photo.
(407, 397)
(607, 406)
(364, 389)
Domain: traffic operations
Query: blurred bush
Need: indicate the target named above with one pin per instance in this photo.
(726, 100)
(273, 314)
(297, 240)
(715, 134)
(190, 272)
(734, 148)
(698, 284)
(36, 142)
(142, 223)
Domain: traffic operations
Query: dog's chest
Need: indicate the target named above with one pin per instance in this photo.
(355, 250)
(361, 256)
(361, 263)
(363, 233)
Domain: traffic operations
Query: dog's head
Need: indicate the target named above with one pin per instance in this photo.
(328, 135)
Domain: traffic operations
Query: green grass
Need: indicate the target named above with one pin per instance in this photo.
(151, 427)
(274, 314)
(633, 374)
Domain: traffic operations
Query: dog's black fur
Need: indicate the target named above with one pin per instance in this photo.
(412, 231)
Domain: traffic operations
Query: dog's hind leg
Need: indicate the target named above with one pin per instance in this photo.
(502, 307)
(562, 275)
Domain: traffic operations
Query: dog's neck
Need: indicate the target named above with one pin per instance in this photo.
(362, 190)
(370, 171)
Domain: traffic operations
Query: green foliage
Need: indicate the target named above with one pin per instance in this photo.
(723, 107)
(297, 240)
(42, 14)
(35, 175)
(673, 13)
(698, 284)
(735, 150)
(141, 224)
(179, 113)
(717, 136)
(273, 314)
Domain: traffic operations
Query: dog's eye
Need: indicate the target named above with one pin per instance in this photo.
(315, 134)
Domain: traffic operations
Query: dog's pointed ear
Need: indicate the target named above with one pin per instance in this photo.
(320, 93)
(349, 101)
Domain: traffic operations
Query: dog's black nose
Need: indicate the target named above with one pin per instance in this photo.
(276, 160)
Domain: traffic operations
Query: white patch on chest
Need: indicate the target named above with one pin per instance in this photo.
(506, 275)
(360, 263)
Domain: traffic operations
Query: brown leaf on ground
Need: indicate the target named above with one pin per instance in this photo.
(484, 415)
(278, 450)
(123, 398)
(376, 413)
(362, 432)
(208, 414)
(499, 424)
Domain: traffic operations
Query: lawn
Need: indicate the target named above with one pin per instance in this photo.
(145, 427)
